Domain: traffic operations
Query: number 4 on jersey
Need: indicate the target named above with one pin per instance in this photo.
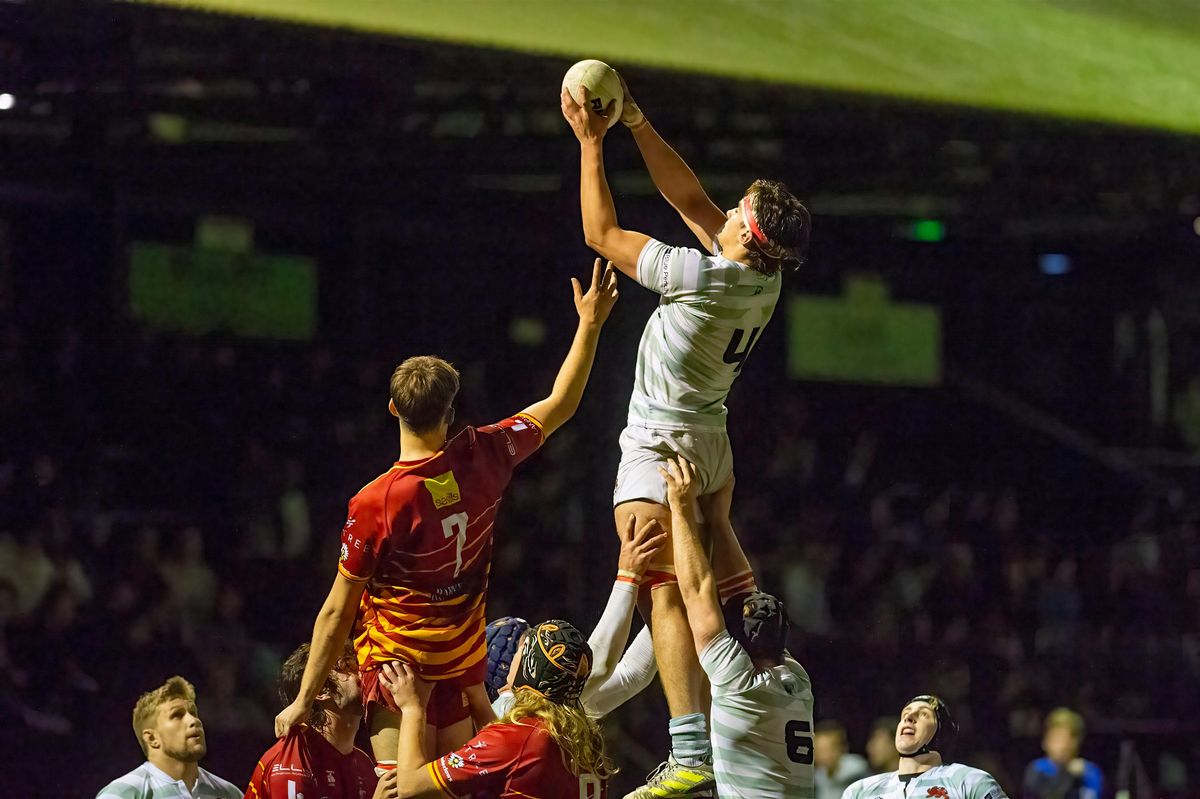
(731, 352)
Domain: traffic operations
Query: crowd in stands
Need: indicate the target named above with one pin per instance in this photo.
(172, 506)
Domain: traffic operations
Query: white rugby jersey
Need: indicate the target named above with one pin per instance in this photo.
(711, 313)
(761, 724)
(948, 781)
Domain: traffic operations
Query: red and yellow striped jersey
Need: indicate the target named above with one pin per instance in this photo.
(420, 536)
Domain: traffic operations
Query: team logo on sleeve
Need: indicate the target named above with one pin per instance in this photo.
(345, 553)
(455, 760)
(443, 489)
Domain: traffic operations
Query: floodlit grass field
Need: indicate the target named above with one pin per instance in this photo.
(1134, 62)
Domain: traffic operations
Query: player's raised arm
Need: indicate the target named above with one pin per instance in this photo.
(330, 632)
(593, 307)
(600, 228)
(696, 581)
(672, 176)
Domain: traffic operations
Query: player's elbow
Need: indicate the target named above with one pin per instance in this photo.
(601, 240)
(596, 243)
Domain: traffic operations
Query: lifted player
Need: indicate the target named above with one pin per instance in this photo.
(715, 304)
(417, 545)
(925, 739)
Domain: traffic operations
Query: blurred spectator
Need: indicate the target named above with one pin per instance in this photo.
(836, 767)
(881, 745)
(1062, 773)
(191, 583)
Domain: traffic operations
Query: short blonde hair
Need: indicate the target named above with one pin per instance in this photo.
(1065, 717)
(148, 704)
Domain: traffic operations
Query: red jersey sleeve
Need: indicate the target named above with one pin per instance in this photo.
(362, 539)
(481, 763)
(512, 440)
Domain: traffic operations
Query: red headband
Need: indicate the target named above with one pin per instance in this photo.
(765, 244)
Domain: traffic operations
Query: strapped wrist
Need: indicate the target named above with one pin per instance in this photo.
(626, 576)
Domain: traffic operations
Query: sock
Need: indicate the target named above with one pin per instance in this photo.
(689, 740)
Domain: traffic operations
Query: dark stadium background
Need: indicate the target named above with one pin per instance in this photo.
(1021, 536)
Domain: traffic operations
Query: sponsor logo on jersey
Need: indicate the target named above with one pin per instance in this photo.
(938, 791)
(443, 489)
(450, 591)
(331, 776)
(284, 768)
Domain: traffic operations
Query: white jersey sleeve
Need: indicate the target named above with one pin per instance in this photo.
(668, 270)
(611, 634)
(981, 785)
(728, 666)
(633, 673)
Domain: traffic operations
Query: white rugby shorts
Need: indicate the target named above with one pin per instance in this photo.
(644, 449)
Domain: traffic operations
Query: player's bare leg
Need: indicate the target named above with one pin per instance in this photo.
(731, 567)
(482, 713)
(679, 669)
(450, 738)
(384, 727)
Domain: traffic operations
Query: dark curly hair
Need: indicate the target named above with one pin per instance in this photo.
(785, 221)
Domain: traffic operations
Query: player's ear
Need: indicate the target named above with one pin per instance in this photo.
(450, 416)
(392, 409)
(150, 737)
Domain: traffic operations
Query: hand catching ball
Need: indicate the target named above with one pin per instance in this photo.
(604, 93)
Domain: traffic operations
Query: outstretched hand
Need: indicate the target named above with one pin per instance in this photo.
(595, 305)
(587, 125)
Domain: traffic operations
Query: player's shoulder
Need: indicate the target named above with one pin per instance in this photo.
(526, 735)
(868, 786)
(134, 785)
(967, 772)
(966, 776)
(219, 786)
(376, 491)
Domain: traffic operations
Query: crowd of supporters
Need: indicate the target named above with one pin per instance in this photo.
(173, 506)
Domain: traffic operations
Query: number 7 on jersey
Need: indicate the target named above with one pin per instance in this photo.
(453, 526)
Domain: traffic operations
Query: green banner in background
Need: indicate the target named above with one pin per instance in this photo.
(863, 337)
(1135, 62)
(198, 291)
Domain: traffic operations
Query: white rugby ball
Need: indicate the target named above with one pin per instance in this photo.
(603, 87)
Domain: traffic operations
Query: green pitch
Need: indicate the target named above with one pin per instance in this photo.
(1133, 62)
